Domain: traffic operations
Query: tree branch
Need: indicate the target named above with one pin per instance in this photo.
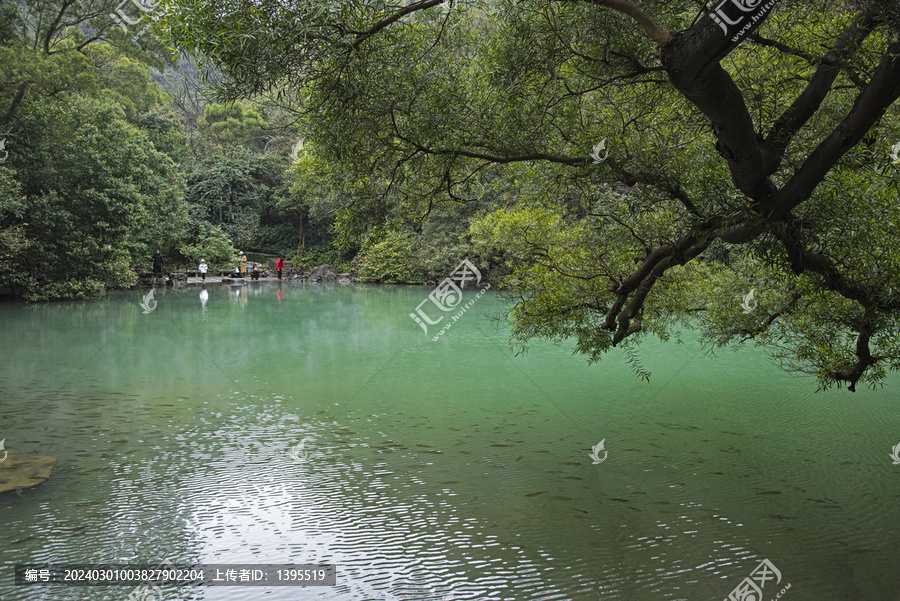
(492, 158)
(750, 334)
(388, 21)
(653, 31)
(692, 63)
(14, 106)
(870, 105)
(781, 47)
(865, 360)
(809, 101)
(654, 267)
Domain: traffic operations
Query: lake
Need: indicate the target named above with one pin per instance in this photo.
(298, 424)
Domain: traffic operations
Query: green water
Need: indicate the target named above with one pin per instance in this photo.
(430, 468)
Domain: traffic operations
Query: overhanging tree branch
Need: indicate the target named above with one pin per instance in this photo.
(809, 101)
(623, 311)
(488, 157)
(653, 31)
(388, 21)
(864, 358)
(870, 105)
(692, 63)
(781, 47)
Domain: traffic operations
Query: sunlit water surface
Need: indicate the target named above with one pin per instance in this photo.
(429, 469)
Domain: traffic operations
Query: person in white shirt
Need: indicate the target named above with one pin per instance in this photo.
(202, 268)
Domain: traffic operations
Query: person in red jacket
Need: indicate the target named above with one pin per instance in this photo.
(279, 264)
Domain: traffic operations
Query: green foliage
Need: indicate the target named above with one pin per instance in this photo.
(442, 242)
(535, 243)
(13, 239)
(279, 238)
(257, 258)
(43, 75)
(93, 181)
(126, 81)
(236, 192)
(46, 53)
(234, 124)
(322, 255)
(164, 131)
(389, 259)
(69, 289)
(213, 246)
(98, 196)
(437, 255)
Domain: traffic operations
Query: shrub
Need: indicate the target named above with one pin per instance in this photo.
(213, 246)
(390, 260)
(321, 255)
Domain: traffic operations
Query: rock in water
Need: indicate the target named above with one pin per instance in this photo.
(322, 273)
(24, 471)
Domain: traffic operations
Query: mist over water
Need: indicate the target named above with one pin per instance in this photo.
(430, 468)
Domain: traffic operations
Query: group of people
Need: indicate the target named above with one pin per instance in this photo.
(239, 272)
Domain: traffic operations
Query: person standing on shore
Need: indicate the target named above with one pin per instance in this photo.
(158, 263)
(243, 259)
(202, 269)
(279, 265)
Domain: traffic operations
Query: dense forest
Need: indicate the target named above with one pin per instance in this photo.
(619, 168)
(114, 148)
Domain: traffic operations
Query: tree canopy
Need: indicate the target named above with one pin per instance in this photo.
(104, 159)
(749, 149)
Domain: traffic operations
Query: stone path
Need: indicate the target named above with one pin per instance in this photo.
(230, 281)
